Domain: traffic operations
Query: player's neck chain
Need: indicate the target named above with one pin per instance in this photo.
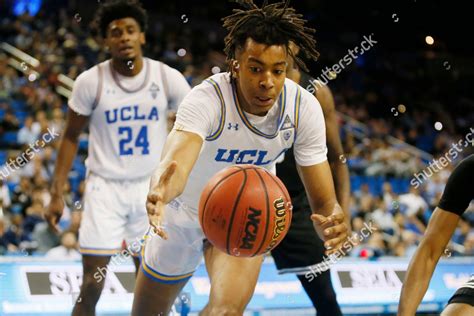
(117, 80)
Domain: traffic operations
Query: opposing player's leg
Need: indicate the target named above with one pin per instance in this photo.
(93, 280)
(322, 294)
(233, 282)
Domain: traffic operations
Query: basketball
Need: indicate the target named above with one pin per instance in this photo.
(245, 210)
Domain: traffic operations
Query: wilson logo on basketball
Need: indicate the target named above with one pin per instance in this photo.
(280, 221)
(251, 228)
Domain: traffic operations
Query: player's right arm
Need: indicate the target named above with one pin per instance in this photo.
(67, 151)
(169, 180)
(80, 108)
(196, 119)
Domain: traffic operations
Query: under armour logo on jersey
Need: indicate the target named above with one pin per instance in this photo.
(233, 126)
(154, 90)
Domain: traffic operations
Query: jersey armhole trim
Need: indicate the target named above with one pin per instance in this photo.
(218, 90)
(99, 88)
(297, 111)
(164, 79)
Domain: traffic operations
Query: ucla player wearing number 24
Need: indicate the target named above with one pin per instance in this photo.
(250, 115)
(125, 101)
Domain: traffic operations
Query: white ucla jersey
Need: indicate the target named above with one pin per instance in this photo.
(232, 136)
(128, 125)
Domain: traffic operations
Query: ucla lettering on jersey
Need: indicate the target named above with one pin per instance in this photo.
(131, 113)
(237, 140)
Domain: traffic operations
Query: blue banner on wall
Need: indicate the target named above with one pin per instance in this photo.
(362, 287)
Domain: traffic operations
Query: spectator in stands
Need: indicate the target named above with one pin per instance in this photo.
(29, 133)
(57, 122)
(3, 240)
(388, 195)
(41, 122)
(364, 200)
(48, 156)
(33, 217)
(22, 195)
(433, 189)
(46, 238)
(415, 208)
(381, 157)
(5, 201)
(15, 235)
(469, 244)
(383, 218)
(67, 250)
(373, 246)
(9, 123)
(410, 240)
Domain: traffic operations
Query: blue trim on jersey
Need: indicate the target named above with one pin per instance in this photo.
(148, 275)
(222, 120)
(297, 111)
(99, 252)
(245, 120)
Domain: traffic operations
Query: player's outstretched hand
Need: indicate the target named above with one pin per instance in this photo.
(158, 197)
(53, 212)
(332, 229)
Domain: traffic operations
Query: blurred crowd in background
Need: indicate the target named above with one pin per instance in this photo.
(387, 107)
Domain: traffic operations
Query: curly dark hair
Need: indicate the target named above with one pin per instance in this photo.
(120, 9)
(272, 24)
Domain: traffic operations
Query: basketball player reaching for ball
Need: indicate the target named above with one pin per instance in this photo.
(302, 248)
(125, 102)
(457, 195)
(250, 115)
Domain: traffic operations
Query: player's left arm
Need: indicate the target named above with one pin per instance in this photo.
(328, 217)
(310, 155)
(339, 170)
(422, 265)
(456, 197)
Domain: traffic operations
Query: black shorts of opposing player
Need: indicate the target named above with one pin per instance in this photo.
(457, 195)
(459, 190)
(465, 294)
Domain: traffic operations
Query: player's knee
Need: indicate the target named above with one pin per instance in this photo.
(225, 310)
(91, 285)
